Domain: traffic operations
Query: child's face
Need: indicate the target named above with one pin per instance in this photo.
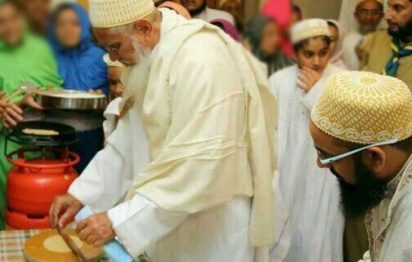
(115, 84)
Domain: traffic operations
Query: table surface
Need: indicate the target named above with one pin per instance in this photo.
(12, 242)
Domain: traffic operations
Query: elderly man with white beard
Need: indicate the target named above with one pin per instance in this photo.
(186, 176)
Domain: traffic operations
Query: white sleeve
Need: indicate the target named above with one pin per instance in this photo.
(104, 182)
(139, 223)
(310, 98)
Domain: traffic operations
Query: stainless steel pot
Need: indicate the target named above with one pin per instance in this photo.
(70, 100)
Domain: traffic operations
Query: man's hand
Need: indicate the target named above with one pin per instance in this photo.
(96, 230)
(307, 79)
(63, 210)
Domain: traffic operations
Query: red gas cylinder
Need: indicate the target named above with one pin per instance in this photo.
(32, 186)
(43, 169)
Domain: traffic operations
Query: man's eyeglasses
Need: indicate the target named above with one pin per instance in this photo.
(365, 12)
(327, 161)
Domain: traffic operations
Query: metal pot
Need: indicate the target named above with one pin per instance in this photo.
(70, 100)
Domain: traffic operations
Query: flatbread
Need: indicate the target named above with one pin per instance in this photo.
(40, 132)
(49, 246)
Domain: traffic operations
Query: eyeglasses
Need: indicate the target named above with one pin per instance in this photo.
(365, 12)
(328, 161)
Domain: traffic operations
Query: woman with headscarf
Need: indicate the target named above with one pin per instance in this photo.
(81, 66)
(262, 38)
(336, 46)
(23, 58)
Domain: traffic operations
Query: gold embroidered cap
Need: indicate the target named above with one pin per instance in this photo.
(364, 108)
(112, 13)
(309, 28)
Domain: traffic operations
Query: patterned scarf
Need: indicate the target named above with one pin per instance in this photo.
(399, 51)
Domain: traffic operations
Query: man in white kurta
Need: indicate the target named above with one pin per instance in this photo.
(311, 225)
(186, 174)
(199, 10)
(368, 15)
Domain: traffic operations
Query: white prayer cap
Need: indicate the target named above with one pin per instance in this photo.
(309, 28)
(112, 13)
(111, 63)
(361, 1)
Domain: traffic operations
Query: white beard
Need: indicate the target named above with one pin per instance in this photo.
(136, 77)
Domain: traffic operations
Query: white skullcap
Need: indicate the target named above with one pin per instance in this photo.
(309, 28)
(361, 1)
(111, 63)
(113, 13)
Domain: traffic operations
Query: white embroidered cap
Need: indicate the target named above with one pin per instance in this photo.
(364, 108)
(361, 1)
(112, 13)
(309, 28)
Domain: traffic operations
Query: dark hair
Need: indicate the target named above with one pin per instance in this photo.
(300, 45)
(298, 10)
(334, 25)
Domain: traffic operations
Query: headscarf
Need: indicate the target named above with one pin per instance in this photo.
(81, 67)
(338, 54)
(253, 34)
(281, 11)
(228, 28)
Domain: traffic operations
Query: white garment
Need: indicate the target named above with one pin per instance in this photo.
(389, 224)
(220, 233)
(111, 114)
(350, 58)
(311, 225)
(210, 14)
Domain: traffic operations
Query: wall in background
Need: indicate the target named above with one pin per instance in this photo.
(320, 8)
(311, 8)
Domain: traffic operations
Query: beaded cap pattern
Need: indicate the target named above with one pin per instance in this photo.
(309, 28)
(112, 13)
(364, 108)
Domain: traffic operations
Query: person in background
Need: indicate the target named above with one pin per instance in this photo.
(391, 50)
(297, 14)
(281, 12)
(235, 8)
(228, 28)
(337, 36)
(309, 224)
(371, 154)
(112, 113)
(37, 14)
(82, 68)
(262, 39)
(368, 14)
(198, 9)
(175, 6)
(23, 58)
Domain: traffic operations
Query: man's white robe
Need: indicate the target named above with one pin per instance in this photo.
(350, 58)
(311, 228)
(196, 108)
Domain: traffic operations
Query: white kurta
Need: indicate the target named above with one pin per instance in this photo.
(204, 78)
(311, 228)
(350, 58)
(210, 14)
(389, 224)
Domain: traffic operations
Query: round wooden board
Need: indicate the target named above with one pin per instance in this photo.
(50, 247)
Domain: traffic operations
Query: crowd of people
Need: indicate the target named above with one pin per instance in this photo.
(281, 138)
